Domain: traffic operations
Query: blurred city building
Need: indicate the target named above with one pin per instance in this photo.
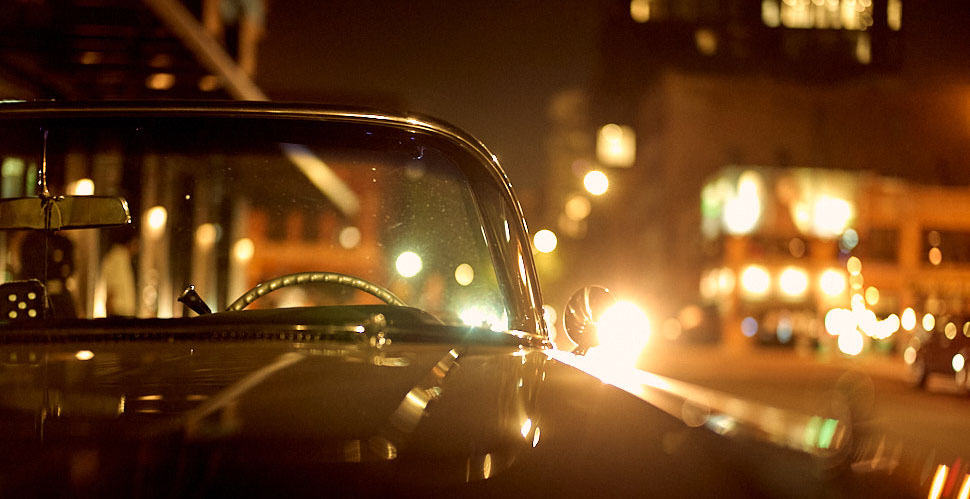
(693, 87)
(790, 253)
(117, 49)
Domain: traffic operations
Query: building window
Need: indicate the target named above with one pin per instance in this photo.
(879, 244)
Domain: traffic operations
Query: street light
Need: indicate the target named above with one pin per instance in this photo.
(408, 264)
(596, 182)
(755, 281)
(545, 241)
(616, 145)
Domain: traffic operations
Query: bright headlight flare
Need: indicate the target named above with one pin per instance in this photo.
(623, 331)
(755, 281)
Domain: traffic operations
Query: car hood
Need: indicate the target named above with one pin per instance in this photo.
(75, 411)
(278, 410)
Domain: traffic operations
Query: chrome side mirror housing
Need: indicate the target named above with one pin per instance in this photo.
(582, 314)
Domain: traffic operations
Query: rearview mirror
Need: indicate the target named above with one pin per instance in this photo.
(583, 311)
(67, 212)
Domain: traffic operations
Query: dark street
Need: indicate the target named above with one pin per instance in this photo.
(932, 419)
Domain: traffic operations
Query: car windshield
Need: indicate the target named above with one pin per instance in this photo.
(225, 204)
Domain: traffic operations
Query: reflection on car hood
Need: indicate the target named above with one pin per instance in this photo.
(206, 411)
(76, 409)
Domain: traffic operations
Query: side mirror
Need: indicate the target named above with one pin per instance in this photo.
(583, 311)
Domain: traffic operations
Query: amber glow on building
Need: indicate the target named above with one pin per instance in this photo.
(875, 236)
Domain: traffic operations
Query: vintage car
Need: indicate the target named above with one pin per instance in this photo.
(241, 299)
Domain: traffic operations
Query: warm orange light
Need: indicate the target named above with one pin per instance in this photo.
(205, 235)
(706, 41)
(770, 13)
(957, 362)
(965, 488)
(545, 241)
(88, 58)
(793, 282)
(616, 145)
(839, 321)
(894, 14)
(578, 208)
(856, 282)
(487, 466)
(950, 330)
(155, 220)
(244, 249)
(854, 265)
(742, 211)
(623, 330)
(872, 295)
(939, 479)
(464, 274)
(596, 183)
(851, 342)
(908, 320)
(349, 237)
(640, 10)
(909, 355)
(755, 281)
(832, 282)
(863, 48)
(83, 187)
(726, 281)
(208, 83)
(160, 81)
(831, 216)
(408, 264)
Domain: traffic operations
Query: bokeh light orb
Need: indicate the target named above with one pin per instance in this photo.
(851, 342)
(408, 264)
(464, 274)
(545, 241)
(596, 182)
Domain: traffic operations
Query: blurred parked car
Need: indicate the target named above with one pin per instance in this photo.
(939, 349)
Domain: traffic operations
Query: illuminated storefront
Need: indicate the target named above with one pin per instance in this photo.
(799, 255)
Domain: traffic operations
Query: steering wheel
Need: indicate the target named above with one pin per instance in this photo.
(265, 288)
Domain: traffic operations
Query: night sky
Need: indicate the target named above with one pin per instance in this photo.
(488, 67)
